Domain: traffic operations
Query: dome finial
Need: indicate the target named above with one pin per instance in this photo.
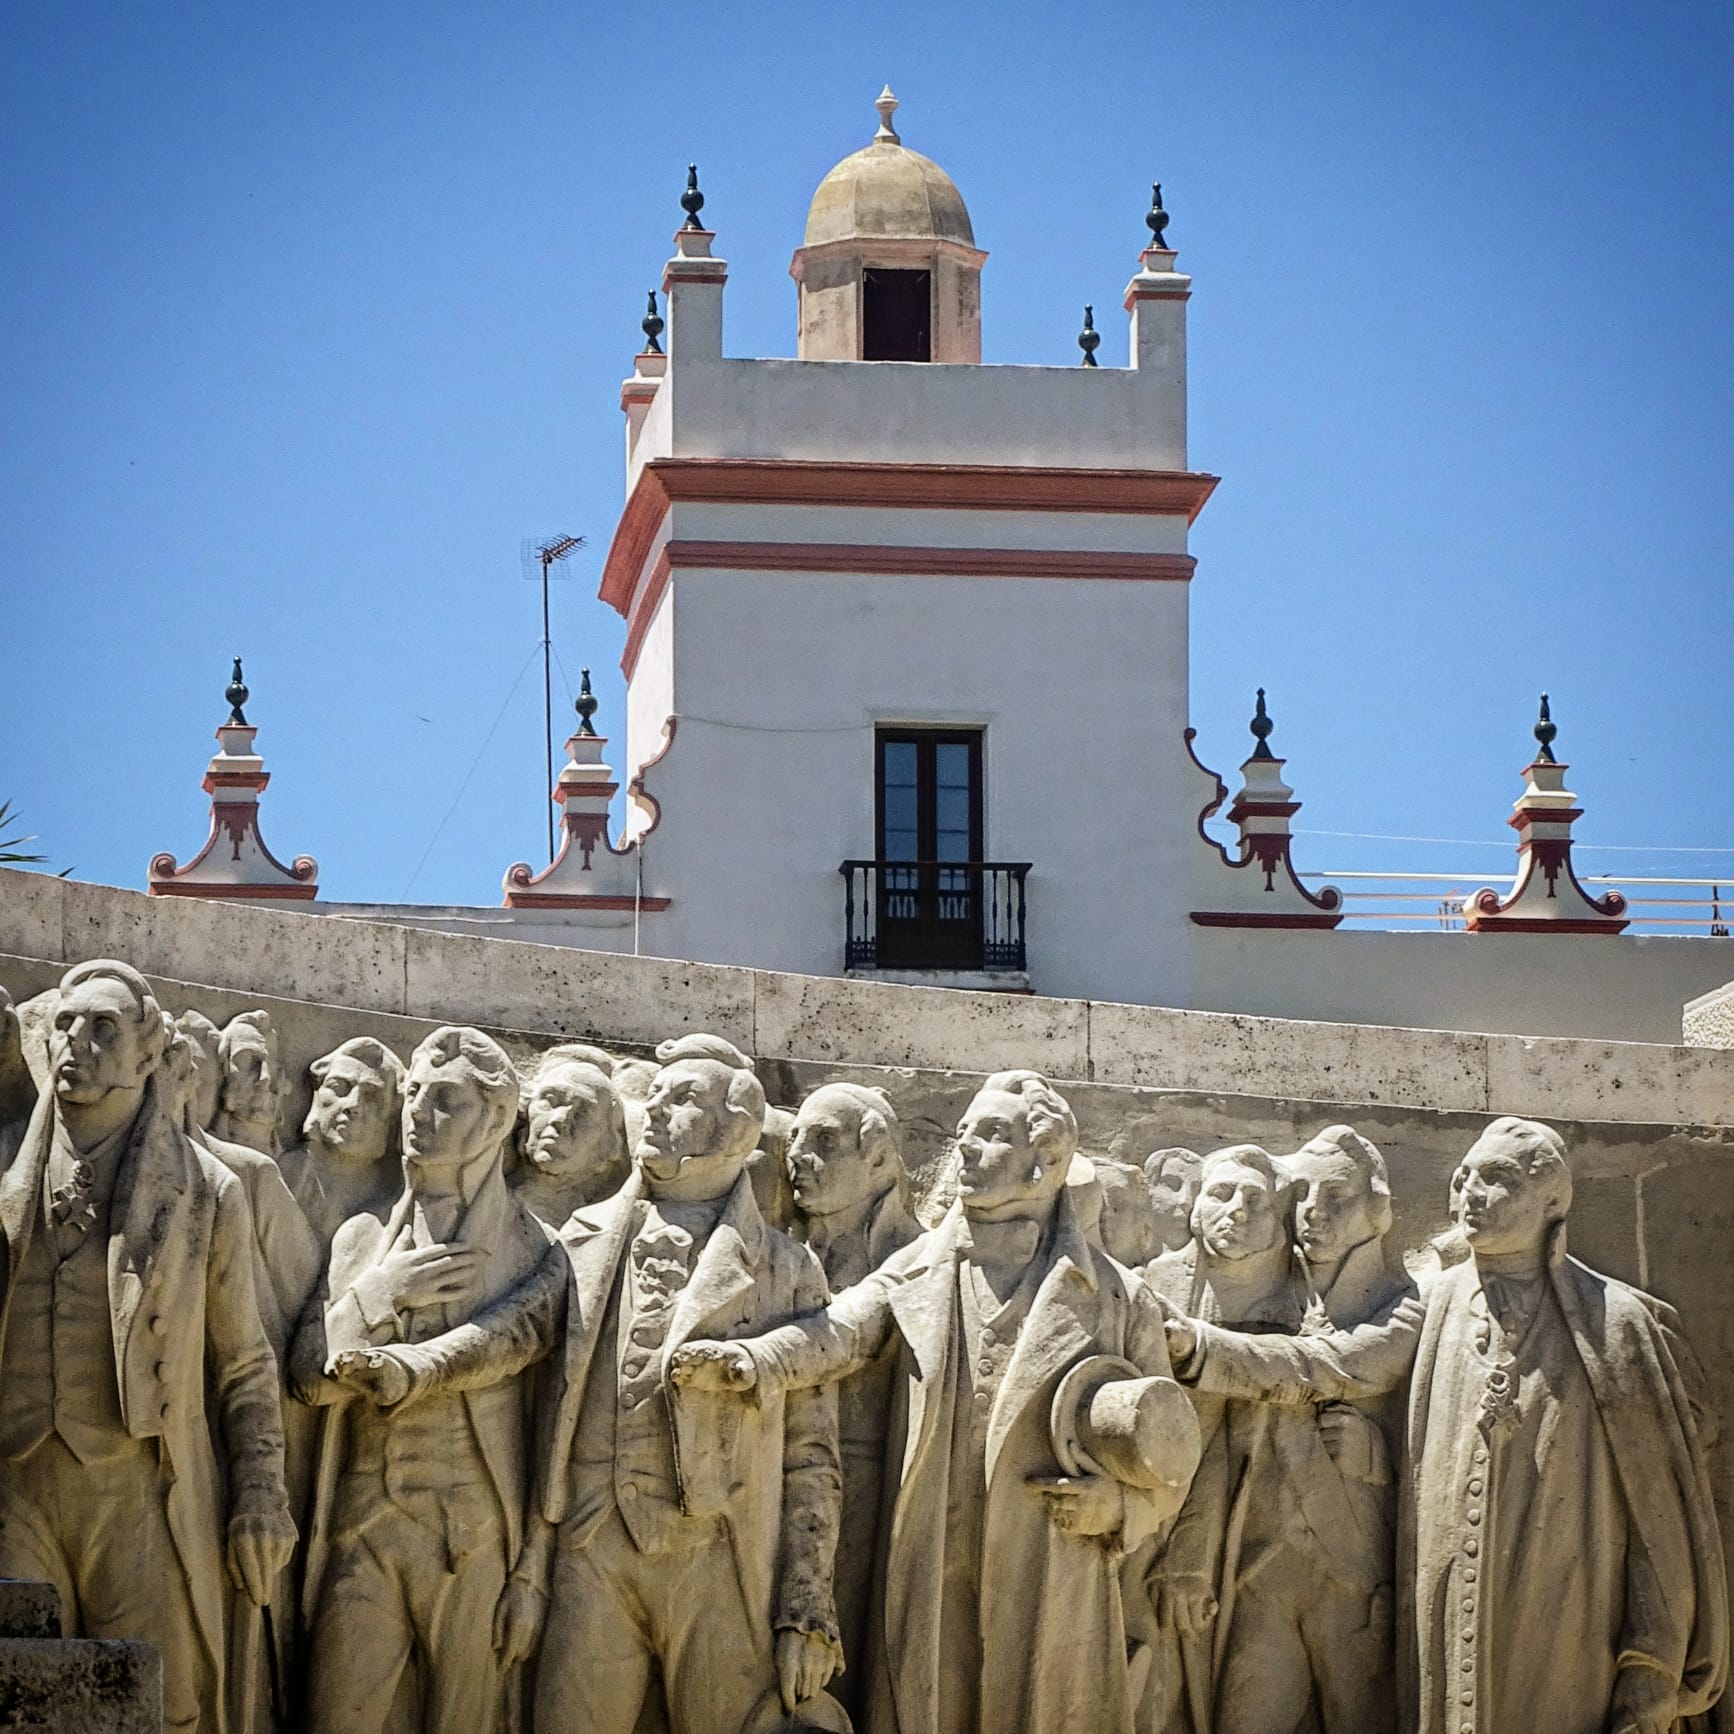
(692, 200)
(237, 695)
(652, 325)
(886, 103)
(1261, 729)
(1156, 219)
(1089, 339)
(585, 705)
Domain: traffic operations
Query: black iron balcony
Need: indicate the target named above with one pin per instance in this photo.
(958, 915)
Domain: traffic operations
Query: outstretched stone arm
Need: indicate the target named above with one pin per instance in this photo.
(825, 1345)
(812, 1495)
(1348, 1366)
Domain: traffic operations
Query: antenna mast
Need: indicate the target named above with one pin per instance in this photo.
(555, 548)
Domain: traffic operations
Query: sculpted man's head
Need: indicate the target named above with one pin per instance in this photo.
(1342, 1194)
(357, 1103)
(1511, 1188)
(1242, 1206)
(107, 1036)
(845, 1149)
(1129, 1224)
(252, 1072)
(702, 1118)
(574, 1124)
(206, 1088)
(459, 1103)
(1015, 1144)
(1173, 1177)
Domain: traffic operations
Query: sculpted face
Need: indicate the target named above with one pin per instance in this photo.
(1334, 1205)
(570, 1131)
(1173, 1192)
(350, 1119)
(447, 1120)
(1128, 1227)
(687, 1125)
(1237, 1213)
(1500, 1206)
(998, 1161)
(828, 1169)
(250, 1084)
(97, 1043)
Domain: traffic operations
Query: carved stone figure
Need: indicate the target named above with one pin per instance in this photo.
(251, 1108)
(851, 1200)
(17, 1087)
(768, 1169)
(1129, 1222)
(999, 1604)
(343, 1165)
(1554, 1500)
(672, 1531)
(130, 1342)
(421, 1505)
(206, 1094)
(573, 1147)
(1173, 1178)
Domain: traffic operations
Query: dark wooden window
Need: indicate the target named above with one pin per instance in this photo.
(929, 816)
(896, 316)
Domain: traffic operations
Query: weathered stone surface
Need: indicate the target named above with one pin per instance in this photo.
(1708, 1020)
(80, 1686)
(28, 1609)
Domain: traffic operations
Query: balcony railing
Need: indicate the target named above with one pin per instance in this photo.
(957, 915)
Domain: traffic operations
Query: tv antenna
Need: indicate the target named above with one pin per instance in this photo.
(545, 554)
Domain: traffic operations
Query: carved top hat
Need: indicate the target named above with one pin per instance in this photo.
(820, 1714)
(1109, 1419)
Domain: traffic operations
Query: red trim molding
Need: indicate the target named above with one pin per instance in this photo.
(244, 893)
(956, 487)
(582, 900)
(1228, 918)
(883, 560)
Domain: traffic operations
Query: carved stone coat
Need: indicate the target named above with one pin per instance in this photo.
(1053, 1654)
(769, 1468)
(185, 1322)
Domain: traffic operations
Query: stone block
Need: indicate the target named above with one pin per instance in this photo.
(28, 1609)
(870, 1023)
(1555, 1078)
(561, 991)
(80, 1686)
(32, 913)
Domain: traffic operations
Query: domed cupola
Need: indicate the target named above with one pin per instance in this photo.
(889, 269)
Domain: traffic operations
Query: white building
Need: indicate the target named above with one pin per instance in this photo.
(906, 660)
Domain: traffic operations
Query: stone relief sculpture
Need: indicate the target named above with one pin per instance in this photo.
(1172, 1175)
(851, 1203)
(572, 1148)
(1009, 1328)
(343, 1165)
(582, 1441)
(128, 1296)
(250, 1110)
(420, 1508)
(1554, 1497)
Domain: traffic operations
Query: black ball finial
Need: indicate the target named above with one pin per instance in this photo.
(652, 326)
(236, 694)
(1156, 219)
(1089, 339)
(692, 200)
(585, 704)
(1546, 729)
(1262, 726)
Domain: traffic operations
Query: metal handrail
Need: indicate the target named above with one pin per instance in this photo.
(940, 929)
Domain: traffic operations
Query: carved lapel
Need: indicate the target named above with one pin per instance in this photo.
(728, 1265)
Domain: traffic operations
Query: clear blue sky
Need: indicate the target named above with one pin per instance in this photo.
(309, 314)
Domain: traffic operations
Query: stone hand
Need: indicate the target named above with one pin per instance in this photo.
(518, 1616)
(410, 1276)
(1646, 1701)
(260, 1546)
(1185, 1603)
(1353, 1443)
(381, 1378)
(714, 1367)
(1082, 1504)
(1181, 1334)
(805, 1662)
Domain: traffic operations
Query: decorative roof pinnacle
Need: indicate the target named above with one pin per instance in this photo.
(692, 200)
(585, 704)
(1262, 726)
(886, 103)
(652, 325)
(1089, 339)
(236, 693)
(1156, 219)
(1545, 731)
